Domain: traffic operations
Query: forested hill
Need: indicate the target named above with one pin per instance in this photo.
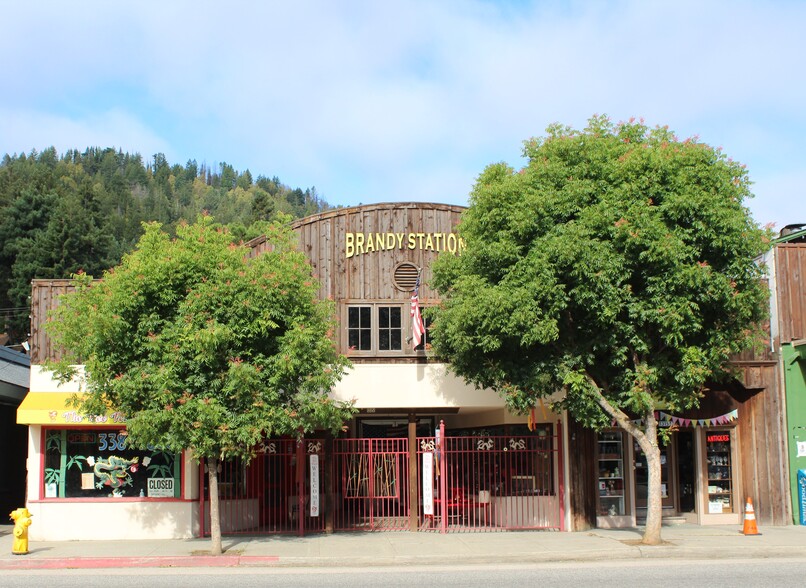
(83, 211)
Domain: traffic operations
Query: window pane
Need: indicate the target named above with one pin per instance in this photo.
(353, 318)
(359, 328)
(424, 342)
(353, 339)
(96, 463)
(366, 340)
(396, 339)
(394, 318)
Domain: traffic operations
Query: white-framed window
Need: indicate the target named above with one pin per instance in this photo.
(380, 329)
(359, 328)
(390, 328)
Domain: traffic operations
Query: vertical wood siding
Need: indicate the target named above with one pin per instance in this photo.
(791, 283)
(582, 482)
(370, 276)
(45, 297)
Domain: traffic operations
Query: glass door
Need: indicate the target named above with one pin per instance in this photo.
(686, 470)
(642, 477)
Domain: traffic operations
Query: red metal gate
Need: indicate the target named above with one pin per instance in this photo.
(372, 484)
(267, 495)
(491, 483)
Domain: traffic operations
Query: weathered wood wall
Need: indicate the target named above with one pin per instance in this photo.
(583, 476)
(44, 297)
(369, 276)
(790, 268)
(763, 461)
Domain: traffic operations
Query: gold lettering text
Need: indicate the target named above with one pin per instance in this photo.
(349, 245)
(429, 242)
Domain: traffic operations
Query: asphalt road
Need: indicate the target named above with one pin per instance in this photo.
(620, 574)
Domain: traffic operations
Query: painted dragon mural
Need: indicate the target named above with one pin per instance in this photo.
(113, 471)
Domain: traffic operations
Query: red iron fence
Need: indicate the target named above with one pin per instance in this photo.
(477, 483)
(491, 483)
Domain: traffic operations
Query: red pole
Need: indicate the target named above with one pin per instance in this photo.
(202, 518)
(300, 487)
(371, 485)
(443, 482)
(560, 476)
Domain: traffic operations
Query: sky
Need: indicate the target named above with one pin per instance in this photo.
(385, 100)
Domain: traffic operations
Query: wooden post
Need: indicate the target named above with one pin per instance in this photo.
(414, 489)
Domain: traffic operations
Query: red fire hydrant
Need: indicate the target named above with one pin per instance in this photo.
(22, 520)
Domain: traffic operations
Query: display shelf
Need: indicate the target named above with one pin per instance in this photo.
(719, 472)
(611, 474)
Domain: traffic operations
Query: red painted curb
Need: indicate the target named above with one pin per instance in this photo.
(182, 561)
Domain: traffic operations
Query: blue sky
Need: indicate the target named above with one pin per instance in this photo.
(376, 101)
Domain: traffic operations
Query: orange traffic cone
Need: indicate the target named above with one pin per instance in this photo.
(750, 527)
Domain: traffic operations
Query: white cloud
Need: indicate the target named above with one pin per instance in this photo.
(367, 99)
(23, 130)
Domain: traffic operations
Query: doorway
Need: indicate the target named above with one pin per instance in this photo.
(686, 470)
(667, 479)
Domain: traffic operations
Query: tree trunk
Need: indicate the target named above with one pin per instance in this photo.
(648, 442)
(215, 517)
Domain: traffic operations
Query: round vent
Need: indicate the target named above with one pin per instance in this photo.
(406, 276)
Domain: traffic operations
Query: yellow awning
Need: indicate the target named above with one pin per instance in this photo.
(51, 408)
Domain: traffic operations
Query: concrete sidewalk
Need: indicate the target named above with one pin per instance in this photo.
(363, 549)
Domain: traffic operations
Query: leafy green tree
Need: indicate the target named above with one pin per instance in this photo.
(84, 210)
(618, 266)
(22, 225)
(203, 347)
(262, 205)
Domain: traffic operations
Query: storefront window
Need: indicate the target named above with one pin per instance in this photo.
(720, 471)
(612, 498)
(95, 463)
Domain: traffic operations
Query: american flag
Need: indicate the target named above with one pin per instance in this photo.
(417, 326)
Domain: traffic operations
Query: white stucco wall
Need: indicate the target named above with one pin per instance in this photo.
(409, 385)
(42, 380)
(95, 520)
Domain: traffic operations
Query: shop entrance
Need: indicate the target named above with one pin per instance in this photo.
(678, 475)
(686, 470)
(668, 479)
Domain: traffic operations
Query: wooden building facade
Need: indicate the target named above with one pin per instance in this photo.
(787, 261)
(368, 260)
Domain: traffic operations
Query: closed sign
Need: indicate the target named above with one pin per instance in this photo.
(160, 487)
